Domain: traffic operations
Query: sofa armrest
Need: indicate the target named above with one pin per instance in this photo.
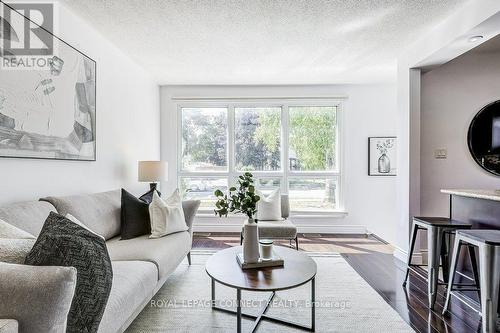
(38, 297)
(9, 326)
(190, 207)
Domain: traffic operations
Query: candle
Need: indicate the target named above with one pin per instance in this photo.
(266, 249)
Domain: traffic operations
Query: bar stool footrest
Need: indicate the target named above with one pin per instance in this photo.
(465, 289)
(421, 275)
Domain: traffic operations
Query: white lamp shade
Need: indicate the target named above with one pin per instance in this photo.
(153, 171)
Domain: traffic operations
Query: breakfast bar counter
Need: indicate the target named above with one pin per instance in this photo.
(481, 208)
(493, 195)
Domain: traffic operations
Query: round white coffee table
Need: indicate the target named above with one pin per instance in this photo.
(298, 269)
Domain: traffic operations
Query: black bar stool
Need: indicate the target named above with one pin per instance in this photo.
(488, 244)
(438, 248)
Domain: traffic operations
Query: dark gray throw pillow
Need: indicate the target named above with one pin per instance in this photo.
(148, 196)
(135, 220)
(64, 243)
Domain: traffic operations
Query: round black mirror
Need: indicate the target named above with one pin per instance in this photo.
(484, 138)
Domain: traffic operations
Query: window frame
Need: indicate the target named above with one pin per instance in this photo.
(284, 173)
(179, 141)
(233, 142)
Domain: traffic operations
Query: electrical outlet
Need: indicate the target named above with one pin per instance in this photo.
(440, 153)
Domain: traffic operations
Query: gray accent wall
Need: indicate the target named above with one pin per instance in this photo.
(452, 94)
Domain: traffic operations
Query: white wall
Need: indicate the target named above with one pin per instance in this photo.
(451, 96)
(127, 127)
(369, 110)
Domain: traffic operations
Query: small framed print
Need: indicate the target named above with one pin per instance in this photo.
(382, 156)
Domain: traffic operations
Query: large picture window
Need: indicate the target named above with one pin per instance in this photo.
(291, 146)
(257, 139)
(204, 139)
(313, 134)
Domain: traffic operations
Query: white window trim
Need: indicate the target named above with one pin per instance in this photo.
(284, 173)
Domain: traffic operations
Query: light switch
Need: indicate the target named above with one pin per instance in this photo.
(440, 153)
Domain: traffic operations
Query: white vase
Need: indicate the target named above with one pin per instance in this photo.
(251, 242)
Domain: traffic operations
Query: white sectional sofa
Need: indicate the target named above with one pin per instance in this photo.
(140, 265)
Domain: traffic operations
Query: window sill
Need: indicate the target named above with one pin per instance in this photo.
(319, 214)
(297, 214)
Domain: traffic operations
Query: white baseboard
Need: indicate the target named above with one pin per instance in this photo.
(332, 229)
(319, 229)
(402, 255)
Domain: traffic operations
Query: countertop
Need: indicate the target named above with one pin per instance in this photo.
(479, 194)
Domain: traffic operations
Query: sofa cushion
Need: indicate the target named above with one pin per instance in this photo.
(9, 231)
(14, 251)
(28, 216)
(167, 216)
(277, 229)
(9, 326)
(15, 243)
(190, 207)
(39, 298)
(285, 206)
(166, 252)
(77, 221)
(64, 243)
(134, 282)
(100, 211)
(134, 216)
(269, 206)
(148, 196)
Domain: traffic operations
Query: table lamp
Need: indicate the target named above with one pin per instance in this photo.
(153, 172)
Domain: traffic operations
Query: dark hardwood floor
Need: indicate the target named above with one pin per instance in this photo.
(374, 261)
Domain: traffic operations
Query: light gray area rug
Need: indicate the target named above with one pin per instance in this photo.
(346, 303)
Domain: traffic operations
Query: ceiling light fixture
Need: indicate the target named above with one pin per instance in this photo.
(474, 39)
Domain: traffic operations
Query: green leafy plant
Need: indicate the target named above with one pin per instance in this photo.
(239, 201)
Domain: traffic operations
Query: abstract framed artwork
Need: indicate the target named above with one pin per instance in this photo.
(382, 156)
(49, 112)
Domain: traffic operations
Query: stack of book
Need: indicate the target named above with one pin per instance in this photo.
(274, 261)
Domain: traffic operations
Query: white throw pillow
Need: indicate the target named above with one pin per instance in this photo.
(269, 207)
(167, 216)
(77, 221)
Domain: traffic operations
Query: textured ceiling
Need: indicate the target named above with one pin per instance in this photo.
(264, 41)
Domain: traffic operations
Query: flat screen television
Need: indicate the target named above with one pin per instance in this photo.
(495, 133)
(484, 138)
